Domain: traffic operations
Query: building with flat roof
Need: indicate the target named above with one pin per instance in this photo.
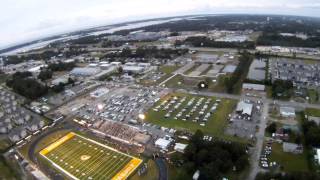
(229, 68)
(180, 147)
(287, 111)
(162, 143)
(317, 155)
(292, 148)
(133, 69)
(255, 87)
(244, 108)
(85, 71)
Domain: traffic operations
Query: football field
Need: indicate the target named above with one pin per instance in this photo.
(82, 158)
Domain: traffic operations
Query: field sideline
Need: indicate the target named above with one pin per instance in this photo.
(83, 158)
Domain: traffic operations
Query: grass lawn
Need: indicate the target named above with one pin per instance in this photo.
(151, 174)
(313, 95)
(168, 69)
(290, 162)
(5, 171)
(313, 112)
(269, 91)
(3, 78)
(178, 82)
(215, 125)
(4, 144)
(193, 83)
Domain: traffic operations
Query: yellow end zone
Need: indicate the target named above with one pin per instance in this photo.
(57, 143)
(128, 169)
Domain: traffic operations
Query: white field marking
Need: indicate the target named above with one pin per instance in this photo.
(104, 145)
(64, 148)
(61, 169)
(109, 167)
(117, 165)
(98, 163)
(75, 161)
(94, 161)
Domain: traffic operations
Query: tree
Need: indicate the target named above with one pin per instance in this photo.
(282, 89)
(120, 70)
(272, 128)
(198, 156)
(45, 75)
(22, 84)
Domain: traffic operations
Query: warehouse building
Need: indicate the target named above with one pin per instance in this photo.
(244, 108)
(85, 71)
(287, 112)
(179, 147)
(133, 69)
(254, 87)
(162, 143)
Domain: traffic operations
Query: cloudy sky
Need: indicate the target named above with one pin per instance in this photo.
(24, 20)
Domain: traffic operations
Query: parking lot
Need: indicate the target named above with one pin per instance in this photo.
(245, 126)
(264, 158)
(123, 104)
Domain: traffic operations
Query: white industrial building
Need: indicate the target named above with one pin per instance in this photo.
(254, 87)
(287, 111)
(180, 147)
(162, 143)
(59, 80)
(105, 66)
(133, 69)
(106, 72)
(317, 155)
(36, 69)
(116, 63)
(244, 108)
(292, 148)
(85, 71)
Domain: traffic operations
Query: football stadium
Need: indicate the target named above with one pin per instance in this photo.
(82, 158)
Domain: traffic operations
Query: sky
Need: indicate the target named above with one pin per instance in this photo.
(25, 20)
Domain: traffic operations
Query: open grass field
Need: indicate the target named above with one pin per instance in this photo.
(151, 174)
(3, 78)
(313, 96)
(214, 126)
(5, 171)
(166, 69)
(82, 158)
(313, 112)
(290, 162)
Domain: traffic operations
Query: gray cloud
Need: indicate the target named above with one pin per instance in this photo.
(23, 20)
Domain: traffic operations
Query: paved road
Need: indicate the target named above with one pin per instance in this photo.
(163, 170)
(255, 155)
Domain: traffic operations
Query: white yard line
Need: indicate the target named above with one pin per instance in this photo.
(60, 168)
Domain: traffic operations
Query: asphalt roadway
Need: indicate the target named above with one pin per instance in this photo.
(163, 170)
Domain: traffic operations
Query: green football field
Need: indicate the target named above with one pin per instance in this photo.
(82, 158)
